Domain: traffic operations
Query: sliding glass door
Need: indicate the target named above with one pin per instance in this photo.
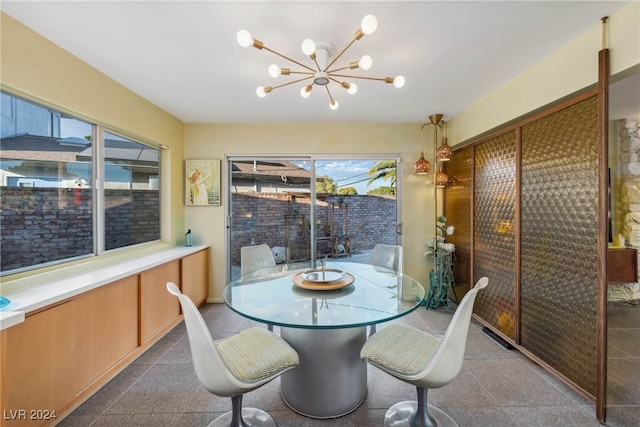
(308, 207)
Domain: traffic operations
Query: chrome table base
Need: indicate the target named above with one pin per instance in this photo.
(331, 379)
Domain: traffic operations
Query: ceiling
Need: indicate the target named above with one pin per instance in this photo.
(183, 55)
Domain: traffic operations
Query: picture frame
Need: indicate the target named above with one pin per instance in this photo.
(202, 182)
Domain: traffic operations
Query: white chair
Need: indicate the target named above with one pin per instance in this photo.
(235, 365)
(254, 258)
(424, 360)
(386, 256)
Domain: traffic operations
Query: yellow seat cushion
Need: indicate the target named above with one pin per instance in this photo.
(256, 354)
(400, 348)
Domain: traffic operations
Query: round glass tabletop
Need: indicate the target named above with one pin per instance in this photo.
(281, 298)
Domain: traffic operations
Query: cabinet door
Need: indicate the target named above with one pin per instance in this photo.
(158, 306)
(38, 366)
(622, 265)
(107, 327)
(195, 276)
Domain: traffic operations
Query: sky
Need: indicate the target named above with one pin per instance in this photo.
(348, 173)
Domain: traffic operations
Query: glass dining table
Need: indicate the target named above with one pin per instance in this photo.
(324, 319)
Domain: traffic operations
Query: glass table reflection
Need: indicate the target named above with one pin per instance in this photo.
(326, 327)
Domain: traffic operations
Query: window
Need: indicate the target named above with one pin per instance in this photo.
(309, 207)
(50, 210)
(131, 192)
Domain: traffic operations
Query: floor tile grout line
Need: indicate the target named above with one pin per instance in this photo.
(149, 367)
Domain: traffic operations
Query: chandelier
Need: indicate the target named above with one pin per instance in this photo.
(321, 73)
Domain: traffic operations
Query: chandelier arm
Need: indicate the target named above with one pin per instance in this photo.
(302, 72)
(382, 79)
(315, 60)
(340, 54)
(289, 59)
(291, 82)
(340, 69)
(328, 93)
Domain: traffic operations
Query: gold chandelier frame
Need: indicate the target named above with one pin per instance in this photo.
(321, 73)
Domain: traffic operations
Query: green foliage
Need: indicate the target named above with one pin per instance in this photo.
(350, 191)
(383, 169)
(382, 191)
(327, 186)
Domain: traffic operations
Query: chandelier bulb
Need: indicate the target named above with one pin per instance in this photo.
(398, 81)
(274, 71)
(308, 47)
(305, 92)
(365, 62)
(244, 38)
(369, 24)
(333, 104)
(352, 89)
(263, 91)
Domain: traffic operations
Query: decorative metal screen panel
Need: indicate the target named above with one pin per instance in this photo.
(457, 209)
(559, 241)
(494, 236)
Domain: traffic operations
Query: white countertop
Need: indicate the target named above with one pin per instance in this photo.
(41, 290)
(10, 318)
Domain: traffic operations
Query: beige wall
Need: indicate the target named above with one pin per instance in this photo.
(39, 70)
(214, 141)
(570, 69)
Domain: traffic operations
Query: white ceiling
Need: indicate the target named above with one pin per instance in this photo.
(183, 55)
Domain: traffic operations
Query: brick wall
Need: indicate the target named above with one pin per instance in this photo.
(40, 225)
(276, 218)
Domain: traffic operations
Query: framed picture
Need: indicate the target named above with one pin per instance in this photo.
(202, 182)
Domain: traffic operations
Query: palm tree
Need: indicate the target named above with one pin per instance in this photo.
(383, 169)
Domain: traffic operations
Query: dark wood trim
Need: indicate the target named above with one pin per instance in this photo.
(603, 182)
(517, 231)
(472, 216)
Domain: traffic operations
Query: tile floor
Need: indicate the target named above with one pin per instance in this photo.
(496, 387)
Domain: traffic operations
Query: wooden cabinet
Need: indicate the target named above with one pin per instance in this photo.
(38, 367)
(158, 306)
(622, 265)
(195, 278)
(62, 354)
(104, 318)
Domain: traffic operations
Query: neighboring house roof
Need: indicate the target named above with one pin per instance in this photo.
(41, 148)
(276, 170)
(30, 147)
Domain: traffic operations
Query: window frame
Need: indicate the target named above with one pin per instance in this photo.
(98, 132)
